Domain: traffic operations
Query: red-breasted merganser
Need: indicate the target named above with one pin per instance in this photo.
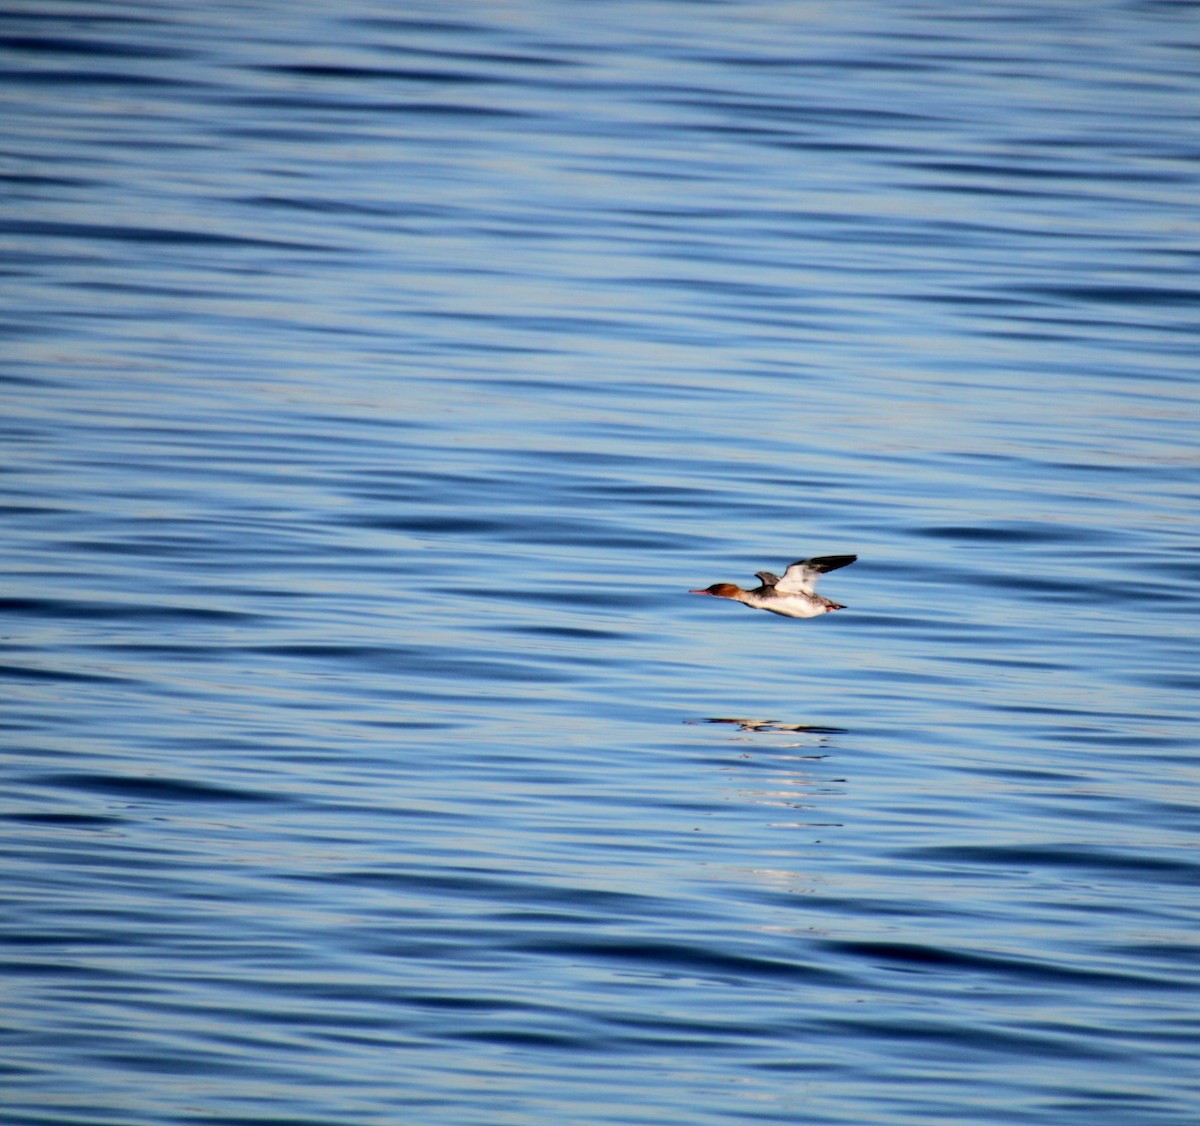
(793, 595)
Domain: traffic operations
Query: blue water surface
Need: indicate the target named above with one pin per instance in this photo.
(377, 380)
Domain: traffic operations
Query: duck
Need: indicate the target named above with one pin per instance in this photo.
(791, 596)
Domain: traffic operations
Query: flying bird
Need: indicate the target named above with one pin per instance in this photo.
(793, 595)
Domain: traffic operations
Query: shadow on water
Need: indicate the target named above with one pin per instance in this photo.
(788, 776)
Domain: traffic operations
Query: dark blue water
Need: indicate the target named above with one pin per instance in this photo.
(377, 379)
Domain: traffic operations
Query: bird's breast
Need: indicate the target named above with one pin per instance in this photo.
(791, 605)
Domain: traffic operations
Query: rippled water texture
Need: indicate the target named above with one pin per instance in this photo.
(378, 379)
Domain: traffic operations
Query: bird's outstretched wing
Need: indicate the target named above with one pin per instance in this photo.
(802, 576)
(766, 578)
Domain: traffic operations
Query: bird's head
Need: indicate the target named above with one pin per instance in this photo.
(719, 590)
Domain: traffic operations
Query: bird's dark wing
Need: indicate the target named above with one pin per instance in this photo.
(802, 575)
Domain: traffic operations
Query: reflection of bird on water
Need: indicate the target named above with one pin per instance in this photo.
(775, 725)
(793, 595)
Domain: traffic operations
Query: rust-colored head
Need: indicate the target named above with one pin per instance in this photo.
(719, 590)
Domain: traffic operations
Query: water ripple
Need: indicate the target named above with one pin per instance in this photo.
(378, 384)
